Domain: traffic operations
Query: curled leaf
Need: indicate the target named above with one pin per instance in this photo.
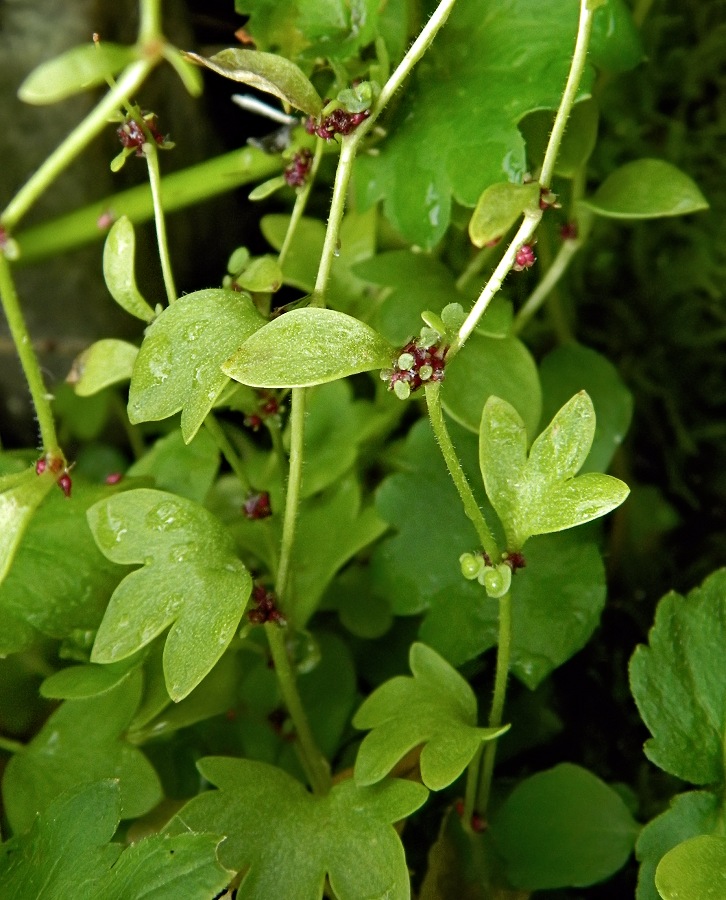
(76, 70)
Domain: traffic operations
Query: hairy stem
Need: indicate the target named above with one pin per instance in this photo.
(471, 507)
(28, 359)
(553, 274)
(292, 496)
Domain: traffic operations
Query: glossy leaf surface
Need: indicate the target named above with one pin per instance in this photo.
(347, 834)
(436, 708)
(308, 346)
(191, 580)
(78, 69)
(694, 870)
(178, 366)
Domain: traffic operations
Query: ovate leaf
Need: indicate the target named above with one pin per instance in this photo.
(436, 708)
(119, 254)
(178, 366)
(498, 208)
(75, 70)
(104, 363)
(646, 189)
(82, 741)
(347, 834)
(308, 346)
(191, 580)
(563, 828)
(694, 870)
(679, 683)
(267, 72)
(538, 494)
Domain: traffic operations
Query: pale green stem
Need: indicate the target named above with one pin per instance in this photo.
(555, 272)
(28, 359)
(150, 21)
(504, 652)
(151, 153)
(292, 496)
(532, 217)
(130, 81)
(316, 767)
(216, 432)
(11, 746)
(300, 204)
(476, 264)
(471, 507)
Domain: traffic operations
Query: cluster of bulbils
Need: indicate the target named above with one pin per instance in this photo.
(496, 580)
(57, 466)
(418, 363)
(265, 607)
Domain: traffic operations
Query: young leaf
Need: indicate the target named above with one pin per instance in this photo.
(261, 274)
(539, 494)
(563, 828)
(75, 70)
(346, 835)
(82, 741)
(191, 579)
(102, 364)
(679, 683)
(436, 708)
(119, 254)
(267, 72)
(82, 682)
(646, 189)
(74, 833)
(693, 870)
(498, 208)
(308, 346)
(20, 495)
(178, 366)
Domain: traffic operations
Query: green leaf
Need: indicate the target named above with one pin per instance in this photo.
(102, 364)
(578, 142)
(486, 367)
(615, 43)
(539, 494)
(436, 708)
(267, 188)
(59, 580)
(191, 579)
(338, 29)
(498, 208)
(562, 828)
(689, 815)
(66, 854)
(181, 468)
(81, 682)
(267, 72)
(571, 368)
(332, 433)
(119, 254)
(308, 346)
(456, 130)
(346, 835)
(646, 189)
(78, 69)
(20, 495)
(694, 870)
(679, 684)
(261, 274)
(552, 617)
(178, 366)
(82, 741)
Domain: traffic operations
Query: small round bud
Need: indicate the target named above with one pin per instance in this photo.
(406, 361)
(402, 390)
(496, 581)
(425, 372)
(471, 565)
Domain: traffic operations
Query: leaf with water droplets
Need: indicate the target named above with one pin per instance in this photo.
(178, 366)
(539, 493)
(191, 580)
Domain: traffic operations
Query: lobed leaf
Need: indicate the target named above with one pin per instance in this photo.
(78, 69)
(191, 580)
(347, 834)
(308, 346)
(436, 708)
(267, 72)
(178, 366)
(694, 869)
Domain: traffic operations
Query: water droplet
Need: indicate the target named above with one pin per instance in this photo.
(336, 251)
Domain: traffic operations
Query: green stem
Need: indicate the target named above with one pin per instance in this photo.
(180, 189)
(555, 272)
(504, 651)
(11, 746)
(316, 768)
(292, 496)
(132, 78)
(474, 267)
(150, 21)
(152, 160)
(532, 217)
(471, 507)
(28, 359)
(216, 432)
(133, 436)
(300, 204)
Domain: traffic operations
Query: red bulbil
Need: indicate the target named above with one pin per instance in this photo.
(568, 232)
(40, 466)
(257, 505)
(114, 478)
(525, 258)
(132, 135)
(478, 823)
(339, 121)
(265, 607)
(65, 484)
(514, 559)
(296, 173)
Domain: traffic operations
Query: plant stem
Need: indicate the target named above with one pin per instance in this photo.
(28, 359)
(300, 204)
(553, 274)
(150, 21)
(152, 160)
(130, 81)
(532, 217)
(216, 432)
(10, 746)
(471, 507)
(316, 768)
(504, 651)
(292, 495)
